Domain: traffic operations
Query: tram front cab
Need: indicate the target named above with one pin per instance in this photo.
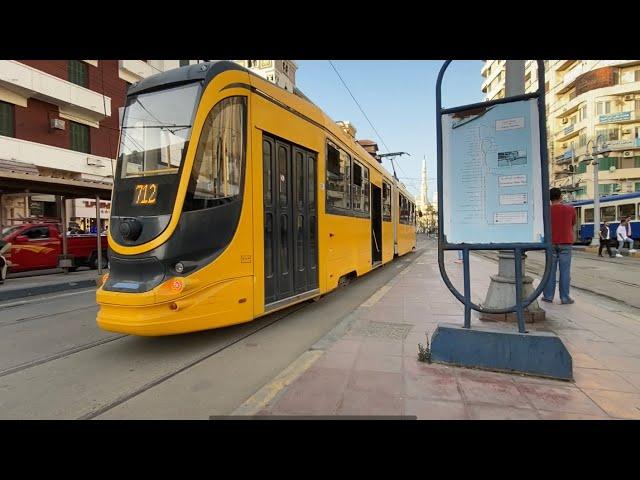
(181, 248)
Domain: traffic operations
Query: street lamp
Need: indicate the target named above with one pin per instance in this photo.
(598, 149)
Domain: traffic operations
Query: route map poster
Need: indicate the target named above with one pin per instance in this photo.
(491, 174)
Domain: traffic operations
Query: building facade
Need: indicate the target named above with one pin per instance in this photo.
(279, 72)
(59, 120)
(585, 100)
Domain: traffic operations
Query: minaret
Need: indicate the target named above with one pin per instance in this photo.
(424, 198)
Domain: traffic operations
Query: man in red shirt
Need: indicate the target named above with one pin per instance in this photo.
(563, 218)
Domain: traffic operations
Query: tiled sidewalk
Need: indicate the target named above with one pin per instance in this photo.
(373, 369)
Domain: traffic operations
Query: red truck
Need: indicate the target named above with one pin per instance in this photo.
(36, 246)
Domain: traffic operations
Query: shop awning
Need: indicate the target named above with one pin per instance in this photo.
(18, 177)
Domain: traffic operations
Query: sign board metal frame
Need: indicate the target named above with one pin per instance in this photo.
(518, 248)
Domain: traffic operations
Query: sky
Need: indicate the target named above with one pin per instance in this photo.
(399, 97)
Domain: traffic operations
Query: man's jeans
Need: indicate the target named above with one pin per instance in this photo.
(561, 257)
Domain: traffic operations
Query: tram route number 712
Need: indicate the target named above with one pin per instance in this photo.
(145, 194)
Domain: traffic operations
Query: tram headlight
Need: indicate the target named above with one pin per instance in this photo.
(176, 285)
(179, 267)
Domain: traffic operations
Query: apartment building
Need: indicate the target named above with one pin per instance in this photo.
(59, 131)
(587, 101)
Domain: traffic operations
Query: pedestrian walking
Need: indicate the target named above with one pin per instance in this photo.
(623, 237)
(563, 218)
(605, 239)
(631, 244)
(459, 260)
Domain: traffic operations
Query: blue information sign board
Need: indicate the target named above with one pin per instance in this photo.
(492, 187)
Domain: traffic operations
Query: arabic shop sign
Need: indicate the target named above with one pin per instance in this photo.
(615, 117)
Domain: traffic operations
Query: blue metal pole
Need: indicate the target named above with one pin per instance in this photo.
(467, 288)
(517, 254)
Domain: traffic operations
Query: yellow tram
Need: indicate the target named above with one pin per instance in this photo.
(234, 198)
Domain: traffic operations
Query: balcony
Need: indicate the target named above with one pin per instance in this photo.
(567, 132)
(82, 165)
(564, 64)
(626, 144)
(32, 83)
(135, 70)
(620, 117)
(569, 107)
(566, 157)
(571, 76)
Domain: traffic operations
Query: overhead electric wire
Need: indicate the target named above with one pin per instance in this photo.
(363, 112)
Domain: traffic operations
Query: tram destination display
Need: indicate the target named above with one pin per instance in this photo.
(145, 194)
(491, 173)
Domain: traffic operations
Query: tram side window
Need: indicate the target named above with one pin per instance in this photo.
(360, 188)
(588, 215)
(338, 180)
(608, 214)
(386, 202)
(404, 209)
(627, 210)
(366, 185)
(217, 169)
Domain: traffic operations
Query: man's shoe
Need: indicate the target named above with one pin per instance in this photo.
(599, 254)
(569, 301)
(632, 250)
(546, 300)
(618, 255)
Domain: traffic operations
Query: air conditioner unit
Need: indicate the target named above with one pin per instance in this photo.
(96, 162)
(626, 132)
(57, 124)
(565, 120)
(627, 153)
(628, 98)
(564, 145)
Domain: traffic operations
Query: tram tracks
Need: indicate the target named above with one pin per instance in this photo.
(203, 357)
(535, 267)
(45, 315)
(96, 376)
(167, 376)
(58, 355)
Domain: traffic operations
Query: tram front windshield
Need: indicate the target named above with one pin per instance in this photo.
(155, 131)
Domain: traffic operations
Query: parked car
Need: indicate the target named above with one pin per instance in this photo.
(36, 246)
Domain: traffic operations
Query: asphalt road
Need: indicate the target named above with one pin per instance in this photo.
(55, 363)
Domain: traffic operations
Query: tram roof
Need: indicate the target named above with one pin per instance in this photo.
(208, 70)
(607, 198)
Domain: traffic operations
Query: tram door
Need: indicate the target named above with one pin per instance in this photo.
(376, 224)
(290, 220)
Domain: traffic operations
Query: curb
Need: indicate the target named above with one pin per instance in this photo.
(44, 289)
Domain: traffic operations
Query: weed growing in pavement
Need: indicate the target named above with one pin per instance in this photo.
(424, 353)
